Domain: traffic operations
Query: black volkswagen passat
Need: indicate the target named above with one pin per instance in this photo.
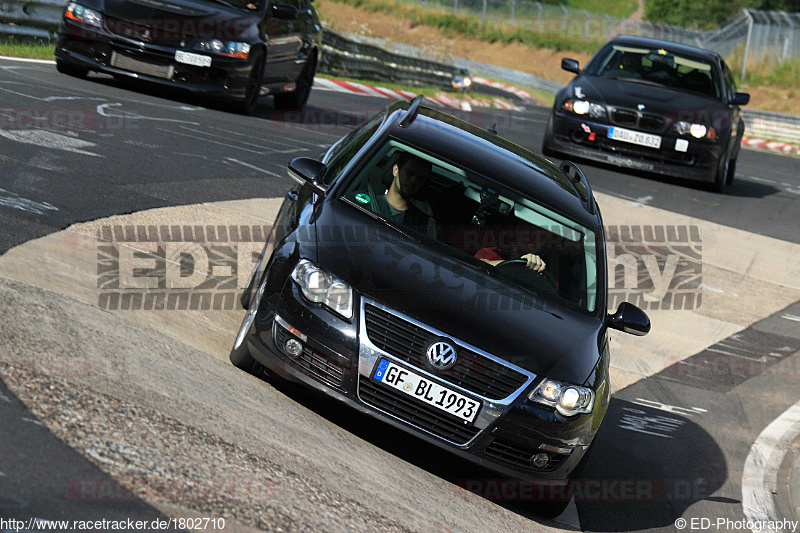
(651, 105)
(444, 327)
(234, 49)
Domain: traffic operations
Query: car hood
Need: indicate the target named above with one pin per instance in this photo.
(461, 301)
(174, 14)
(629, 94)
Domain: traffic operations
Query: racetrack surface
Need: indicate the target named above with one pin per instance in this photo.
(148, 400)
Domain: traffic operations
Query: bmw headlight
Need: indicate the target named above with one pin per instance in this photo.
(320, 287)
(567, 399)
(83, 14)
(698, 131)
(224, 48)
(583, 107)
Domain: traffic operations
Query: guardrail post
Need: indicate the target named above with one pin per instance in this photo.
(750, 23)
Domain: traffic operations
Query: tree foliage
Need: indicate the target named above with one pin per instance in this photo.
(705, 14)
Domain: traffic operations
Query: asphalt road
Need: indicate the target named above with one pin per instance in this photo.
(110, 148)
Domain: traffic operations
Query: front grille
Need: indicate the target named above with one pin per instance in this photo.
(311, 362)
(652, 123)
(408, 342)
(415, 412)
(519, 455)
(142, 67)
(624, 117)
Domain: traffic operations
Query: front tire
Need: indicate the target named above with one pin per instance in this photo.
(722, 174)
(731, 172)
(247, 105)
(297, 99)
(547, 141)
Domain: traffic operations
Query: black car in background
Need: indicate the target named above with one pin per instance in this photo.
(651, 105)
(235, 49)
(497, 362)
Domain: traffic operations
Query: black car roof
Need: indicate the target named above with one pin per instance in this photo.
(491, 155)
(683, 49)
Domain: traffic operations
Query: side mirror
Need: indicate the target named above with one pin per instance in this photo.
(629, 319)
(283, 11)
(305, 170)
(570, 65)
(740, 99)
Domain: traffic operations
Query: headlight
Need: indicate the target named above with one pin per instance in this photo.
(697, 131)
(582, 107)
(567, 399)
(82, 14)
(467, 82)
(224, 48)
(320, 287)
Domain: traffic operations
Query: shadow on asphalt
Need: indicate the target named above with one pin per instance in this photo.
(627, 485)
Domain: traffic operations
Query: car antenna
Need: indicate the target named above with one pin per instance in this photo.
(493, 129)
(413, 111)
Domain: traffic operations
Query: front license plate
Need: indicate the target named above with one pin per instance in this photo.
(197, 60)
(426, 390)
(634, 137)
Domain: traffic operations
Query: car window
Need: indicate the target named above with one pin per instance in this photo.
(730, 84)
(480, 222)
(343, 151)
(657, 67)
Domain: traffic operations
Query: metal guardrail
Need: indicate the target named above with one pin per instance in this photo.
(343, 56)
(30, 18)
(772, 126)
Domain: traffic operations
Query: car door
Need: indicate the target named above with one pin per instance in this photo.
(281, 31)
(737, 123)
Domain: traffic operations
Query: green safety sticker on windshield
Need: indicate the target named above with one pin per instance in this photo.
(363, 198)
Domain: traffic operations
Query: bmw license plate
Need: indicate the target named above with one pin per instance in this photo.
(634, 137)
(198, 60)
(425, 390)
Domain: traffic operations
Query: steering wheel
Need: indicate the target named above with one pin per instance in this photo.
(524, 262)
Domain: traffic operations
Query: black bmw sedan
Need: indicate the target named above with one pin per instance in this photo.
(233, 49)
(447, 282)
(651, 105)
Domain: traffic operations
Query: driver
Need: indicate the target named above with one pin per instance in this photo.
(492, 256)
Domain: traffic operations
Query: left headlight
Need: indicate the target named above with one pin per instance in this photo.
(698, 131)
(224, 48)
(83, 14)
(567, 399)
(320, 287)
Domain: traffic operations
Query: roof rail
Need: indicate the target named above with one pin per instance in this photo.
(412, 112)
(578, 178)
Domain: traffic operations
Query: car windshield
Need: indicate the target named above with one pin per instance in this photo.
(480, 222)
(657, 67)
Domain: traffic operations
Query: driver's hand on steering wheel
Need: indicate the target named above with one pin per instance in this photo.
(534, 262)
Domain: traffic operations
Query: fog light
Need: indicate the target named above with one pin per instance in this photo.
(293, 347)
(540, 460)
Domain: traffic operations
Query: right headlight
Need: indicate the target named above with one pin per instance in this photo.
(584, 107)
(323, 288)
(83, 14)
(567, 399)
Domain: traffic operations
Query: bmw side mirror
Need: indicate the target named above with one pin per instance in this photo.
(629, 319)
(570, 65)
(305, 170)
(283, 11)
(740, 99)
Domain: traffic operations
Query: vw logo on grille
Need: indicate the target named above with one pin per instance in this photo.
(441, 355)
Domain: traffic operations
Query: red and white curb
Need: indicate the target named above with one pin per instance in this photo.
(775, 146)
(441, 100)
(525, 95)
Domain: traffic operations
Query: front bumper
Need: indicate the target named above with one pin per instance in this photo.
(571, 136)
(101, 51)
(505, 435)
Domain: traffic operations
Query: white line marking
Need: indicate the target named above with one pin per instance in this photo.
(105, 111)
(762, 180)
(30, 420)
(760, 475)
(49, 139)
(15, 201)
(2, 474)
(669, 408)
(259, 169)
(793, 318)
(24, 60)
(4, 398)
